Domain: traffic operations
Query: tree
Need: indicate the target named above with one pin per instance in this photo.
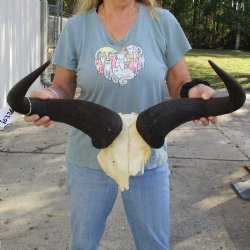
(213, 23)
(207, 23)
(241, 20)
(68, 5)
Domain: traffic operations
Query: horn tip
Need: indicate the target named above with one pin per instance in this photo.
(212, 64)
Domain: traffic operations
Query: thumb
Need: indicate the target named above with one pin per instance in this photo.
(205, 96)
(41, 94)
(207, 93)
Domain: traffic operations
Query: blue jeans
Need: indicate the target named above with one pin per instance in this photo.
(92, 195)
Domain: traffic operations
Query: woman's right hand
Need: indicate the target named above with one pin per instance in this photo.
(36, 119)
(63, 87)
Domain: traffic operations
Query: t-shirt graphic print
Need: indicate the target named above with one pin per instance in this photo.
(119, 66)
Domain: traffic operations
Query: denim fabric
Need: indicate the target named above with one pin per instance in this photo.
(92, 195)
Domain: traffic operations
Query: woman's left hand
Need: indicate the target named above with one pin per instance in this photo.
(204, 92)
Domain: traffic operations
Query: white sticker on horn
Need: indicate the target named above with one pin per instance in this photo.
(7, 116)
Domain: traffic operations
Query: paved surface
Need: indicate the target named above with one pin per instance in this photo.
(206, 212)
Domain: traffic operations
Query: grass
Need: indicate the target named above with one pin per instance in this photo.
(235, 62)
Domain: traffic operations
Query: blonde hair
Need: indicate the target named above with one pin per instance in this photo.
(85, 5)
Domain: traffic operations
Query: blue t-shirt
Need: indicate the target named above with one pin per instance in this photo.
(125, 76)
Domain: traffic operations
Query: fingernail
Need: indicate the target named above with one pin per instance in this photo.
(205, 96)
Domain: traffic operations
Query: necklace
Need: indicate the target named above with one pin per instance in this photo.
(123, 40)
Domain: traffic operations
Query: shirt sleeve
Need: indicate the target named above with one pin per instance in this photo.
(177, 44)
(66, 49)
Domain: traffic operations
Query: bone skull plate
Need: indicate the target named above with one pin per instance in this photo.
(127, 154)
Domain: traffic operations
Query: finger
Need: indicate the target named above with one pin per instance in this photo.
(42, 121)
(204, 121)
(31, 118)
(46, 125)
(212, 119)
(207, 94)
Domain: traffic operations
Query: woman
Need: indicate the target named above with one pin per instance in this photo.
(119, 52)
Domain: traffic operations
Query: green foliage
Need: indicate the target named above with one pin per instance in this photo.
(213, 23)
(207, 23)
(68, 5)
(235, 62)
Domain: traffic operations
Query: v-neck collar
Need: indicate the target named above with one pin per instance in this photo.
(124, 41)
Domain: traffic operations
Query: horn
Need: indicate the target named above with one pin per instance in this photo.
(16, 95)
(101, 124)
(156, 122)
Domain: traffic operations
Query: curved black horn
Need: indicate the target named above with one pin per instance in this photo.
(101, 124)
(156, 122)
(16, 95)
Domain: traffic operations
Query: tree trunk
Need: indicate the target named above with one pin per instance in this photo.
(237, 43)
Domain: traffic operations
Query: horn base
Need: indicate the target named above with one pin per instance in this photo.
(101, 124)
(156, 122)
